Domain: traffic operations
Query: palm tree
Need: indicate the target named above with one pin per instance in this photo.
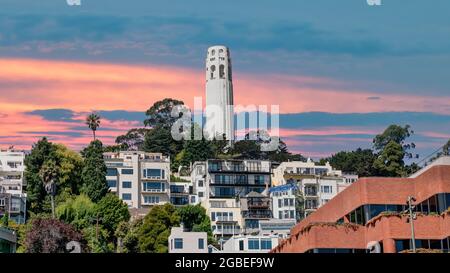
(93, 122)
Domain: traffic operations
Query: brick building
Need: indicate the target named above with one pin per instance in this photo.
(370, 213)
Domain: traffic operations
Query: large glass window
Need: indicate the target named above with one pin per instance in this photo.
(266, 244)
(153, 187)
(253, 244)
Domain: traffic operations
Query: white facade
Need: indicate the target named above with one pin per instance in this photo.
(219, 93)
(12, 170)
(221, 185)
(250, 244)
(181, 241)
(317, 184)
(140, 179)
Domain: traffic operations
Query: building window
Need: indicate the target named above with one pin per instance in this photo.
(253, 244)
(200, 194)
(127, 171)
(112, 183)
(280, 203)
(154, 187)
(126, 196)
(2, 202)
(200, 183)
(151, 199)
(327, 189)
(266, 244)
(154, 173)
(280, 215)
(126, 184)
(178, 243)
(241, 245)
(222, 71)
(213, 216)
(201, 243)
(111, 172)
(291, 214)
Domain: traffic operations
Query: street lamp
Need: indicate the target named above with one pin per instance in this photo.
(411, 217)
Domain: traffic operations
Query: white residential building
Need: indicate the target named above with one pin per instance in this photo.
(250, 244)
(315, 184)
(221, 185)
(12, 170)
(181, 241)
(12, 183)
(140, 179)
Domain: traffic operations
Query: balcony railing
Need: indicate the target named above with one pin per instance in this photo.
(261, 214)
(258, 204)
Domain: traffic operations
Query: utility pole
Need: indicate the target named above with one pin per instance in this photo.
(411, 217)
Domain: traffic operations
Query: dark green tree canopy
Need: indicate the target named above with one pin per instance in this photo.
(160, 114)
(112, 210)
(94, 172)
(133, 140)
(155, 230)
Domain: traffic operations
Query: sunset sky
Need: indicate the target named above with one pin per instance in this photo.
(341, 71)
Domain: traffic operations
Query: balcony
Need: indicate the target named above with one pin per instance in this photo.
(257, 214)
(264, 204)
(154, 190)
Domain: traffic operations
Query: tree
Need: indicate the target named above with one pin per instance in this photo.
(397, 134)
(156, 227)
(93, 122)
(160, 114)
(70, 165)
(41, 151)
(77, 211)
(133, 140)
(196, 150)
(94, 172)
(446, 148)
(194, 218)
(112, 211)
(359, 161)
(127, 236)
(50, 236)
(390, 160)
(159, 139)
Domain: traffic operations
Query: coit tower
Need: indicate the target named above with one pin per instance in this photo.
(219, 93)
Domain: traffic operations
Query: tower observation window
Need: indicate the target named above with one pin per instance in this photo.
(222, 71)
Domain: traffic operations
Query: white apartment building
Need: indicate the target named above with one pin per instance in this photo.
(140, 179)
(315, 184)
(12, 169)
(12, 182)
(181, 241)
(221, 184)
(250, 244)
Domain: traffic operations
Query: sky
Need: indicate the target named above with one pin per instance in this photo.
(340, 71)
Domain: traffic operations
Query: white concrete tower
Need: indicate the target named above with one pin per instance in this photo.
(219, 93)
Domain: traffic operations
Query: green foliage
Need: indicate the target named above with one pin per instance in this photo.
(397, 134)
(133, 140)
(159, 139)
(359, 161)
(194, 218)
(98, 239)
(77, 211)
(56, 161)
(159, 115)
(155, 230)
(112, 210)
(390, 161)
(446, 148)
(4, 221)
(41, 152)
(94, 172)
(127, 236)
(174, 178)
